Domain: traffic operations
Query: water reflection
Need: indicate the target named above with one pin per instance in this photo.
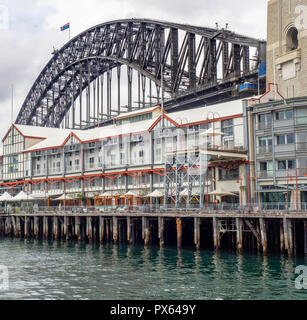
(55, 270)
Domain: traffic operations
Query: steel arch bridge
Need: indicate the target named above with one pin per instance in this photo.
(193, 66)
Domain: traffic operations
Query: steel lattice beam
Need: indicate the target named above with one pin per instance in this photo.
(190, 67)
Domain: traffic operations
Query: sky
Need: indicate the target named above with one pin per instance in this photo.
(32, 30)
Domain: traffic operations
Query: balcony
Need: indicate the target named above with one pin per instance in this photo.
(265, 174)
(55, 170)
(264, 149)
(73, 169)
(302, 146)
(264, 125)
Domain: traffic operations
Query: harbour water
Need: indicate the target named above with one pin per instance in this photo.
(45, 270)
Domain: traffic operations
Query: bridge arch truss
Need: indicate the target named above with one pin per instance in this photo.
(194, 64)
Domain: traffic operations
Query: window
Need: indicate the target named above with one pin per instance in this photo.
(282, 165)
(37, 153)
(92, 162)
(141, 154)
(286, 164)
(301, 116)
(264, 121)
(284, 115)
(285, 139)
(292, 39)
(227, 127)
(290, 138)
(77, 153)
(265, 144)
(92, 151)
(266, 169)
(229, 175)
(92, 145)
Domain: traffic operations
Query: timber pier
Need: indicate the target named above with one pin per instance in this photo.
(284, 232)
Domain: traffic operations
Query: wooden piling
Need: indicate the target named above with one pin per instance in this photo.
(239, 224)
(290, 239)
(65, 227)
(286, 234)
(101, 229)
(146, 231)
(78, 229)
(216, 234)
(179, 232)
(130, 231)
(36, 227)
(197, 223)
(89, 230)
(282, 237)
(45, 228)
(263, 233)
(14, 227)
(56, 228)
(161, 225)
(305, 237)
(26, 230)
(115, 230)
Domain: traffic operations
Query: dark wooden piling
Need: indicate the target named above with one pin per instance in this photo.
(130, 230)
(282, 236)
(101, 229)
(239, 226)
(26, 227)
(197, 223)
(161, 227)
(115, 230)
(290, 232)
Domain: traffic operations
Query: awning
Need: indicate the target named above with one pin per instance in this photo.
(131, 194)
(22, 196)
(5, 197)
(155, 194)
(105, 195)
(185, 193)
(64, 197)
(222, 193)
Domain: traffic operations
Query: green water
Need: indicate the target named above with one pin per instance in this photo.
(62, 271)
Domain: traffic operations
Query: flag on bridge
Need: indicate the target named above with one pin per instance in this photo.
(65, 27)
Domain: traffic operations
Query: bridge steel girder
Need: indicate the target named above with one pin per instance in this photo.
(190, 67)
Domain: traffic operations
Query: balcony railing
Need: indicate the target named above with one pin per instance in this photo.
(73, 168)
(264, 125)
(264, 149)
(272, 208)
(265, 174)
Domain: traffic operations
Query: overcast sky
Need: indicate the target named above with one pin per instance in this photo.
(34, 28)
